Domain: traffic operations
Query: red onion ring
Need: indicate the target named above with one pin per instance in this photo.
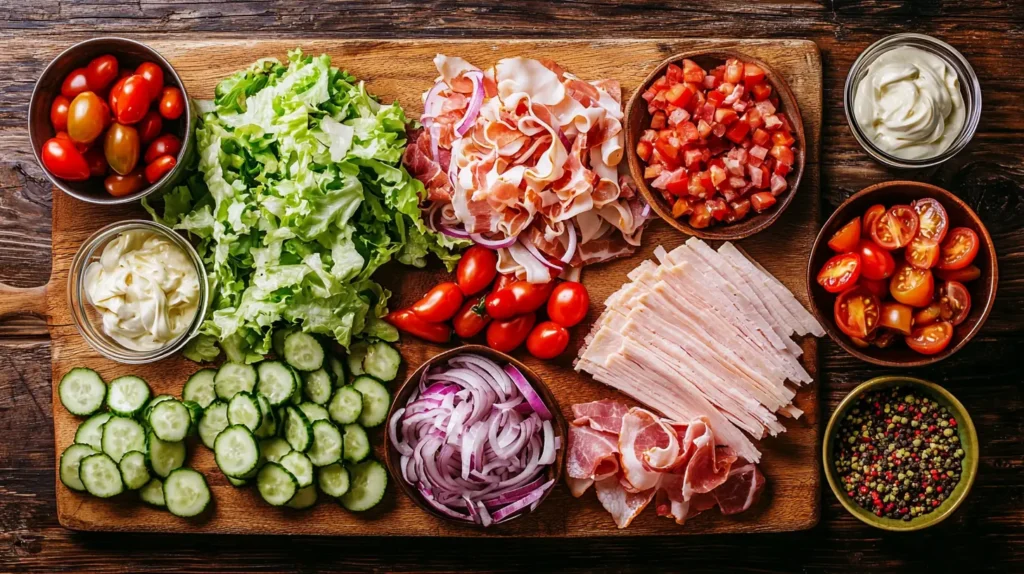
(540, 257)
(570, 250)
(565, 140)
(475, 102)
(428, 103)
(492, 243)
(524, 386)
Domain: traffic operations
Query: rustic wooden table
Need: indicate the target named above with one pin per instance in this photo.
(987, 532)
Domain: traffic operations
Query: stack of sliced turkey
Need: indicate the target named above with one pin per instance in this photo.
(704, 333)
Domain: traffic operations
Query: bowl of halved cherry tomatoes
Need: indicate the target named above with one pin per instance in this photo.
(110, 121)
(903, 274)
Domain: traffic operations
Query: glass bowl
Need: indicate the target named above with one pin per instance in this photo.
(88, 320)
(970, 90)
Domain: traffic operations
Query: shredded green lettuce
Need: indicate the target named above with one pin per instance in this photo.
(302, 197)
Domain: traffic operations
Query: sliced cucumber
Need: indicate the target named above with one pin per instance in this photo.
(382, 361)
(354, 361)
(276, 485)
(215, 419)
(376, 401)
(278, 382)
(170, 420)
(244, 409)
(336, 367)
(236, 451)
(127, 395)
(200, 387)
(100, 475)
(368, 482)
(91, 431)
(268, 424)
(297, 430)
(70, 460)
(314, 412)
(153, 493)
(236, 482)
(277, 340)
(333, 479)
(144, 415)
(233, 378)
(327, 444)
(304, 498)
(82, 391)
(134, 473)
(346, 405)
(273, 449)
(357, 444)
(186, 493)
(300, 466)
(317, 386)
(195, 414)
(165, 457)
(303, 352)
(122, 435)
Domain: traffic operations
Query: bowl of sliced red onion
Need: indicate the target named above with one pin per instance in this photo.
(474, 437)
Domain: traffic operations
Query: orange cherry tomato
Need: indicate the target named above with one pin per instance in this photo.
(878, 287)
(840, 272)
(922, 253)
(167, 144)
(501, 304)
(846, 239)
(97, 163)
(964, 275)
(159, 167)
(122, 185)
(59, 113)
(871, 217)
(150, 127)
(569, 303)
(172, 103)
(547, 340)
(439, 304)
(935, 311)
(959, 249)
(912, 286)
(896, 228)
(530, 296)
(897, 316)
(506, 336)
(876, 263)
(131, 101)
(121, 148)
(86, 118)
(63, 159)
(931, 339)
(408, 322)
(477, 269)
(100, 72)
(954, 295)
(857, 312)
(471, 318)
(154, 77)
(75, 83)
(933, 222)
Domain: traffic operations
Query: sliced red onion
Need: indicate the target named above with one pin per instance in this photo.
(454, 232)
(435, 134)
(540, 256)
(524, 386)
(645, 211)
(570, 250)
(565, 141)
(428, 103)
(475, 102)
(522, 503)
(492, 243)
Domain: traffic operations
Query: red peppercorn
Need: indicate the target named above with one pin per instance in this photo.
(952, 422)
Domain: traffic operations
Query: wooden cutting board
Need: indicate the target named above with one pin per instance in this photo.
(402, 70)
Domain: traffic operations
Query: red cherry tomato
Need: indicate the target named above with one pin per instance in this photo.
(86, 118)
(530, 296)
(878, 287)
(857, 312)
(101, 72)
(131, 101)
(931, 339)
(504, 280)
(150, 127)
(845, 240)
(59, 113)
(97, 163)
(912, 286)
(167, 144)
(471, 318)
(506, 336)
(954, 295)
(122, 185)
(439, 304)
(154, 77)
(115, 93)
(477, 269)
(121, 148)
(959, 249)
(964, 275)
(547, 340)
(408, 322)
(871, 217)
(75, 83)
(840, 272)
(932, 313)
(172, 103)
(897, 316)
(159, 167)
(63, 159)
(501, 304)
(569, 303)
(932, 219)
(876, 263)
(922, 253)
(896, 228)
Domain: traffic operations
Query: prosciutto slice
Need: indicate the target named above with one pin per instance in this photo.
(604, 415)
(593, 455)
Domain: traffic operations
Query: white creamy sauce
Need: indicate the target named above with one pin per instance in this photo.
(146, 289)
(909, 103)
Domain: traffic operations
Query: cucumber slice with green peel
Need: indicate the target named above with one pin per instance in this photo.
(215, 419)
(122, 435)
(276, 485)
(277, 381)
(297, 430)
(367, 482)
(382, 361)
(317, 386)
(303, 352)
(195, 414)
(304, 498)
(165, 457)
(354, 360)
(300, 466)
(236, 482)
(170, 420)
(90, 432)
(127, 395)
(336, 367)
(134, 473)
(274, 448)
(100, 475)
(314, 412)
(277, 340)
(144, 415)
(236, 451)
(186, 493)
(82, 391)
(153, 493)
(356, 443)
(346, 405)
(244, 409)
(376, 401)
(333, 479)
(200, 387)
(327, 444)
(234, 378)
(70, 460)
(268, 424)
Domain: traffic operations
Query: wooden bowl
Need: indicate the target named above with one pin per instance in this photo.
(982, 290)
(393, 458)
(638, 118)
(965, 430)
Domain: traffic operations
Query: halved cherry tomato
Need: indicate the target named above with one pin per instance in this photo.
(506, 336)
(100, 72)
(75, 83)
(408, 322)
(955, 296)
(846, 239)
(97, 163)
(122, 185)
(964, 275)
(172, 103)
(86, 118)
(568, 303)
(857, 312)
(150, 127)
(59, 113)
(933, 222)
(878, 287)
(922, 253)
(131, 100)
(154, 77)
(897, 316)
(501, 304)
(63, 159)
(935, 311)
(477, 269)
(121, 148)
(440, 303)
(530, 296)
(876, 263)
(840, 272)
(167, 144)
(871, 217)
(912, 286)
(959, 249)
(547, 340)
(471, 318)
(883, 338)
(931, 339)
(896, 228)
(160, 167)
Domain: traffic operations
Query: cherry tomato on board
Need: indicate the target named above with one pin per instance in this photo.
(150, 127)
(912, 286)
(933, 222)
(501, 304)
(439, 304)
(857, 312)
(876, 263)
(167, 144)
(922, 253)
(846, 239)
(63, 159)
(568, 303)
(547, 340)
(506, 336)
(955, 296)
(86, 118)
(59, 113)
(154, 77)
(878, 287)
(131, 100)
(931, 339)
(121, 147)
(897, 316)
(530, 296)
(477, 269)
(172, 103)
(871, 217)
(97, 162)
(408, 322)
(964, 275)
(896, 228)
(840, 272)
(159, 167)
(959, 249)
(121, 185)
(100, 72)
(75, 83)
(471, 318)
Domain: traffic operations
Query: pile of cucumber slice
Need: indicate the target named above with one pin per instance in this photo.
(136, 443)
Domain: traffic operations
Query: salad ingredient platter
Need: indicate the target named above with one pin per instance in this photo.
(400, 70)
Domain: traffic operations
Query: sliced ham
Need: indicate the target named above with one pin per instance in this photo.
(592, 454)
(604, 415)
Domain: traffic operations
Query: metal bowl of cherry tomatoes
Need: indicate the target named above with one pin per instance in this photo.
(903, 274)
(110, 122)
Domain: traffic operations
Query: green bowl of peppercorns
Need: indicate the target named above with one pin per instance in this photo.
(900, 453)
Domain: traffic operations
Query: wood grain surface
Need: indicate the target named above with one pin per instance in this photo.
(401, 70)
(986, 534)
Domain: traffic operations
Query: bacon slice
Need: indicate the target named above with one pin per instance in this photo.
(622, 505)
(592, 454)
(604, 415)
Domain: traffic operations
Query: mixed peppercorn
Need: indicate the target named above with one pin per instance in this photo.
(898, 453)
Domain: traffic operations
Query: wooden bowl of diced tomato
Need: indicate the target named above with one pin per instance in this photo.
(715, 143)
(903, 274)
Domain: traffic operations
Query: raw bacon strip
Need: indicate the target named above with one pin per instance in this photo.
(623, 506)
(604, 415)
(592, 454)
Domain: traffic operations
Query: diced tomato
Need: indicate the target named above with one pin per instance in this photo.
(679, 185)
(701, 216)
(643, 150)
(762, 201)
(785, 121)
(653, 171)
(752, 75)
(673, 74)
(760, 137)
(783, 137)
(733, 71)
(738, 131)
(666, 148)
(692, 158)
(726, 116)
(718, 208)
(718, 178)
(761, 91)
(716, 98)
(680, 208)
(679, 95)
(782, 153)
(688, 131)
(753, 117)
(738, 210)
(692, 72)
(658, 120)
(781, 169)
